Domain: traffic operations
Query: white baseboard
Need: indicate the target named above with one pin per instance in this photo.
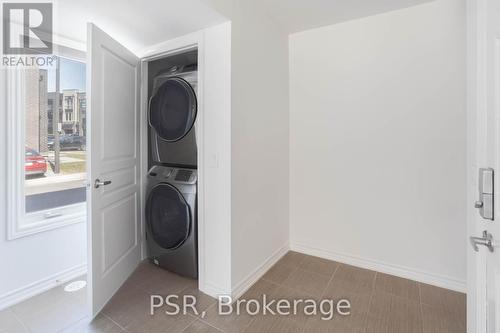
(212, 290)
(38, 287)
(382, 267)
(253, 277)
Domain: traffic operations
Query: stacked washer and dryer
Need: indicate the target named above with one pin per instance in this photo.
(171, 202)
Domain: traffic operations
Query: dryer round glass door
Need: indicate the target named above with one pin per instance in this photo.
(168, 216)
(172, 110)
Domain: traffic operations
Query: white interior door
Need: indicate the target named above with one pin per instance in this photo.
(114, 227)
(484, 260)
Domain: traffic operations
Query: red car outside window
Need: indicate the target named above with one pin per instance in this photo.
(35, 164)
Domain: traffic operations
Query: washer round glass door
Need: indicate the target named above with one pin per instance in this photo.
(172, 110)
(168, 216)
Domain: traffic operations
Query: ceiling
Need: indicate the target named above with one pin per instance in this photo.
(137, 24)
(299, 15)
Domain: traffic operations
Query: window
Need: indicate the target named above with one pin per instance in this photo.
(47, 157)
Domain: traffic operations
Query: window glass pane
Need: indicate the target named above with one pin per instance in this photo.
(55, 136)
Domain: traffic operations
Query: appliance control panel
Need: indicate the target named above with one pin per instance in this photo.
(174, 175)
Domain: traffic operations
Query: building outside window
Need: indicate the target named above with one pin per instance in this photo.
(48, 181)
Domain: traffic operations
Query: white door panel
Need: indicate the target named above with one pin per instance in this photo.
(484, 268)
(113, 87)
(493, 158)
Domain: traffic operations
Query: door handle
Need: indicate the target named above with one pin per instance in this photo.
(486, 240)
(98, 183)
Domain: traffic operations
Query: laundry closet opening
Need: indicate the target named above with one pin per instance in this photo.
(171, 185)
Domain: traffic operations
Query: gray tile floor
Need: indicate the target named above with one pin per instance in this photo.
(380, 303)
(50, 312)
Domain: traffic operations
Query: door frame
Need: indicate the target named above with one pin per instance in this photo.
(476, 12)
(179, 45)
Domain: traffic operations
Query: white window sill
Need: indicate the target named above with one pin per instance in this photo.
(38, 222)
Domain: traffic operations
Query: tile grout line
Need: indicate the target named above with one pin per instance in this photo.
(249, 323)
(113, 321)
(74, 324)
(23, 324)
(421, 305)
(212, 325)
(330, 280)
(298, 268)
(324, 292)
(204, 322)
(295, 269)
(282, 285)
(190, 323)
(365, 324)
(315, 273)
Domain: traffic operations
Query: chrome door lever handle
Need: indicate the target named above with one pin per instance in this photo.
(486, 240)
(98, 183)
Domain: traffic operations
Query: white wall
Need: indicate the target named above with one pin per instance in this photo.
(36, 261)
(216, 224)
(33, 262)
(259, 140)
(377, 142)
(260, 124)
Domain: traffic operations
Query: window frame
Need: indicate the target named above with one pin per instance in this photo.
(20, 223)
